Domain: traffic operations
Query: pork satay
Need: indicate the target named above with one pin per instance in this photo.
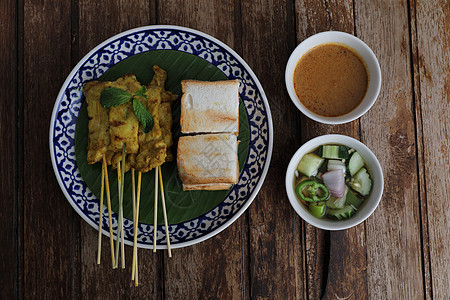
(109, 156)
(98, 138)
(151, 151)
(168, 96)
(166, 121)
(152, 104)
(153, 146)
(152, 155)
(123, 122)
(159, 79)
(125, 127)
(165, 110)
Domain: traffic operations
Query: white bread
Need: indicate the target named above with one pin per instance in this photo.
(207, 186)
(209, 107)
(208, 161)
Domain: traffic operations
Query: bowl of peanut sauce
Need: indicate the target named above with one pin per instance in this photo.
(333, 77)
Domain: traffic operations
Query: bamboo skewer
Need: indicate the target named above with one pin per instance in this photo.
(136, 279)
(105, 180)
(122, 248)
(136, 222)
(121, 184)
(155, 228)
(164, 212)
(133, 193)
(108, 197)
(133, 184)
(100, 219)
(100, 210)
(119, 179)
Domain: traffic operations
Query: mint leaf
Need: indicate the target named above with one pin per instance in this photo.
(143, 115)
(141, 92)
(113, 96)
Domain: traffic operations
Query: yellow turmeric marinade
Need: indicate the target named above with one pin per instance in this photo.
(153, 149)
(123, 122)
(111, 128)
(98, 138)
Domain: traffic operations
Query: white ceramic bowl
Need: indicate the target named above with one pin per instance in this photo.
(358, 46)
(369, 205)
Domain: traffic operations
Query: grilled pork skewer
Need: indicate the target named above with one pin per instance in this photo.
(98, 138)
(111, 130)
(98, 141)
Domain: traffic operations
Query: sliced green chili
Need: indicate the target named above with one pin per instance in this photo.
(317, 209)
(312, 191)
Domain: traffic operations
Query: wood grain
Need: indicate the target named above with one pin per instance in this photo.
(347, 268)
(432, 90)
(213, 269)
(210, 17)
(50, 237)
(9, 149)
(420, 160)
(276, 256)
(393, 232)
(119, 15)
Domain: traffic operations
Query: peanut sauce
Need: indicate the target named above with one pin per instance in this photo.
(331, 80)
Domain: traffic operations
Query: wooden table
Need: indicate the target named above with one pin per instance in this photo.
(400, 252)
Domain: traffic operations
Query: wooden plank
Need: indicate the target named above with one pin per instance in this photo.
(213, 269)
(347, 268)
(101, 281)
(336, 260)
(211, 17)
(431, 26)
(420, 161)
(394, 266)
(50, 237)
(97, 22)
(276, 247)
(8, 148)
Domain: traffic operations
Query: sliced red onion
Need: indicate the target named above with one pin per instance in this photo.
(335, 182)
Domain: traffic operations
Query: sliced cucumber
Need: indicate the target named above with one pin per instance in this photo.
(334, 152)
(353, 199)
(355, 163)
(344, 213)
(310, 164)
(329, 151)
(336, 203)
(361, 182)
(343, 152)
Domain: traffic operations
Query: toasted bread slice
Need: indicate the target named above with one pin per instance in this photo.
(210, 107)
(208, 161)
(207, 186)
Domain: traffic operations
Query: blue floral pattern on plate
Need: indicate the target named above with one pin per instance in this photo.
(120, 47)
